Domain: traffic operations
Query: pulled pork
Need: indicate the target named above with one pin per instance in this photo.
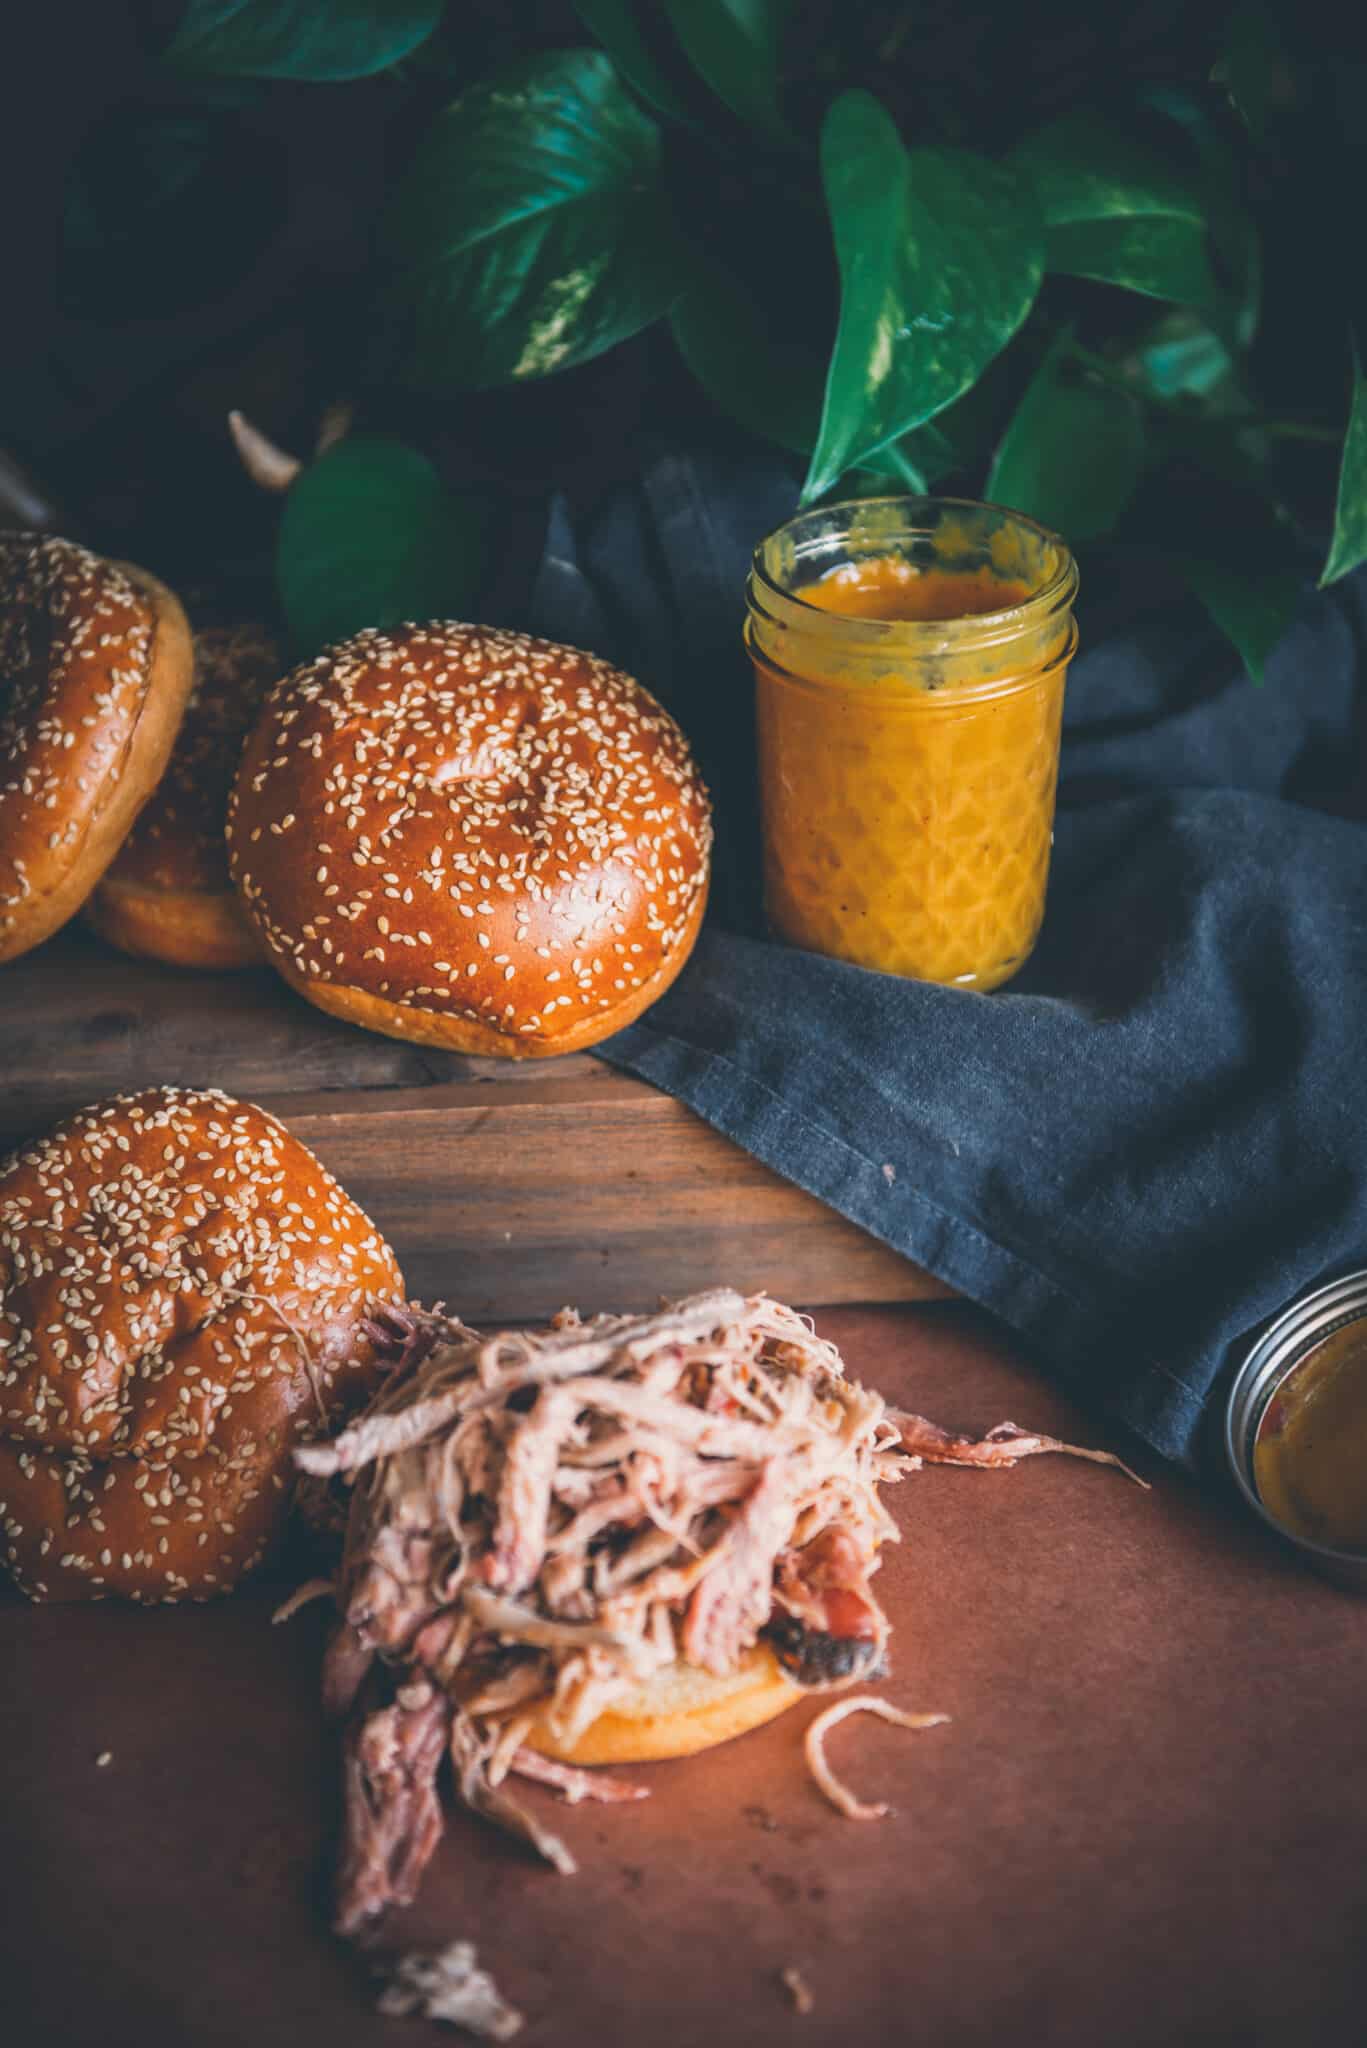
(540, 1521)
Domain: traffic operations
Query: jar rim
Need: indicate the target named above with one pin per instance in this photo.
(971, 630)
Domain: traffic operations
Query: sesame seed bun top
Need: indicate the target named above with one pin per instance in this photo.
(181, 1292)
(472, 837)
(96, 666)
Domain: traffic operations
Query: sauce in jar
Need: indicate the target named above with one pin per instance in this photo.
(1310, 1452)
(910, 657)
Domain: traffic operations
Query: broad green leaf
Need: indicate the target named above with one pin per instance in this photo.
(766, 374)
(1223, 180)
(1072, 454)
(529, 233)
(940, 258)
(1349, 546)
(301, 39)
(1123, 212)
(371, 536)
(1161, 257)
(733, 45)
(161, 210)
(1086, 169)
(1251, 601)
(615, 25)
(897, 464)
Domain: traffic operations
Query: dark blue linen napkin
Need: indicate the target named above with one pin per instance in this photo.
(1157, 1134)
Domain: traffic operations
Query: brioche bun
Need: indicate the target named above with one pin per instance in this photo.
(472, 839)
(168, 895)
(183, 1292)
(96, 661)
(679, 1711)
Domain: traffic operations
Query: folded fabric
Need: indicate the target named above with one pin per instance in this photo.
(1157, 1134)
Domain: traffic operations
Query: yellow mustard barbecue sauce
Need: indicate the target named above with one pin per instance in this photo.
(1310, 1453)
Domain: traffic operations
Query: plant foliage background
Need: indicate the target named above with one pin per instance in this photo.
(1108, 270)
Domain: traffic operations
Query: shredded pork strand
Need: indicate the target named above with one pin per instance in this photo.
(450, 1986)
(541, 1521)
(1005, 1445)
(820, 1726)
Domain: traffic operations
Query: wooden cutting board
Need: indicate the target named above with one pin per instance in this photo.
(507, 1188)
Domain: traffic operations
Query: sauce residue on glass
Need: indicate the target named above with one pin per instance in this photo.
(891, 587)
(1310, 1453)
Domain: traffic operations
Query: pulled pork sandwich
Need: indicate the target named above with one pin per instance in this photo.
(607, 1543)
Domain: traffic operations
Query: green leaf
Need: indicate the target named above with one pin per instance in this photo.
(1086, 169)
(940, 260)
(764, 374)
(1163, 258)
(371, 536)
(300, 39)
(615, 25)
(1349, 546)
(530, 233)
(1251, 602)
(733, 45)
(1072, 453)
(1121, 211)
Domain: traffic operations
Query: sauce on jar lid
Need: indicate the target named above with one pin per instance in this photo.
(1310, 1451)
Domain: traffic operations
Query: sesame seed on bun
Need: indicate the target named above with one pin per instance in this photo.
(471, 838)
(183, 1294)
(95, 670)
(169, 896)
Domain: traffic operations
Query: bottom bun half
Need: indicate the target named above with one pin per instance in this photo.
(185, 927)
(677, 1712)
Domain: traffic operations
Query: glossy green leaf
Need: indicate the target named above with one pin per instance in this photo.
(1161, 257)
(941, 255)
(300, 39)
(733, 45)
(1349, 546)
(765, 374)
(370, 536)
(1086, 169)
(1252, 602)
(1121, 211)
(615, 24)
(530, 233)
(1072, 453)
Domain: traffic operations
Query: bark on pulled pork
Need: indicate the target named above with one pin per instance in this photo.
(540, 1521)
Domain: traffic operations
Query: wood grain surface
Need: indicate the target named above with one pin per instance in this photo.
(507, 1188)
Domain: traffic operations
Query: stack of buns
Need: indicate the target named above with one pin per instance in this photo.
(460, 836)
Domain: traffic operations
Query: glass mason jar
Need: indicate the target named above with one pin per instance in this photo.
(910, 656)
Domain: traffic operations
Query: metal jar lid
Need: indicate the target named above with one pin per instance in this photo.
(1284, 1345)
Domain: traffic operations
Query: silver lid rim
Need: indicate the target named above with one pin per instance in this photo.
(1283, 1346)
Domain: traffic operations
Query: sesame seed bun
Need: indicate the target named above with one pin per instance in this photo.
(96, 664)
(472, 839)
(679, 1711)
(182, 1289)
(168, 895)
